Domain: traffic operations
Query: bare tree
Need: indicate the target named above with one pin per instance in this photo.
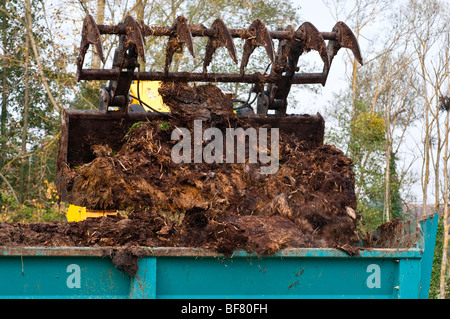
(445, 107)
(100, 20)
(385, 81)
(428, 19)
(26, 108)
(445, 215)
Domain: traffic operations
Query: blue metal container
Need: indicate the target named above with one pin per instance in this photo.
(71, 272)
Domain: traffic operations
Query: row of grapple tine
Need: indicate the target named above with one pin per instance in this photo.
(180, 34)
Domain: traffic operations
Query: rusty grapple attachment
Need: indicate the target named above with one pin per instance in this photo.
(82, 130)
(272, 88)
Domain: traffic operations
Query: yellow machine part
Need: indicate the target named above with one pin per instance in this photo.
(148, 93)
(77, 213)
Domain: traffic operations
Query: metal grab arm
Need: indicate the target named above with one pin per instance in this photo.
(272, 88)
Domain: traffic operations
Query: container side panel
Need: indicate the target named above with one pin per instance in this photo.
(429, 229)
(61, 277)
(408, 284)
(274, 277)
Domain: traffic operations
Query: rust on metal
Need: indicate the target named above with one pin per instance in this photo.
(299, 78)
(272, 88)
(259, 36)
(306, 38)
(313, 40)
(90, 36)
(181, 34)
(201, 31)
(134, 37)
(344, 39)
(221, 38)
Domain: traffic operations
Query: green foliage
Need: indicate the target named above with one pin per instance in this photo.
(134, 127)
(164, 126)
(27, 167)
(35, 210)
(369, 127)
(86, 97)
(27, 162)
(437, 263)
(396, 200)
(360, 133)
(371, 206)
(372, 216)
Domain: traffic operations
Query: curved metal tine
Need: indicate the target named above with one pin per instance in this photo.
(134, 36)
(280, 64)
(283, 51)
(90, 35)
(222, 38)
(181, 33)
(313, 40)
(345, 39)
(259, 37)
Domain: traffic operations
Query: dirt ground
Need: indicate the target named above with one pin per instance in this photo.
(309, 202)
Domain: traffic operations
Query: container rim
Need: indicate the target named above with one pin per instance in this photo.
(203, 252)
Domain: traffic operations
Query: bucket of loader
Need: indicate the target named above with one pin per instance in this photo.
(120, 107)
(83, 131)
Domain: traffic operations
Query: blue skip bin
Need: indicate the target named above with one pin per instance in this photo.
(73, 272)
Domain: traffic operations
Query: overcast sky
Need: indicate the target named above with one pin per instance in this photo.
(319, 15)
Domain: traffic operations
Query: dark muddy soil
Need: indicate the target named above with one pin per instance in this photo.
(309, 202)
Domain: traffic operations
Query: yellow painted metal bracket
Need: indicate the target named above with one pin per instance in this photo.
(78, 213)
